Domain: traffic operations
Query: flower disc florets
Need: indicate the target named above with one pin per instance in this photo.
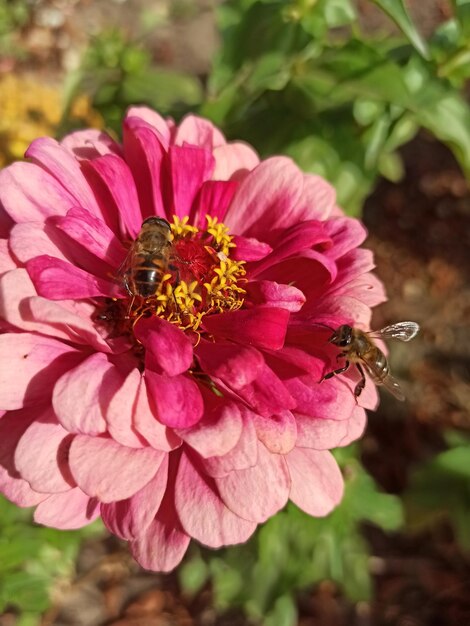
(175, 390)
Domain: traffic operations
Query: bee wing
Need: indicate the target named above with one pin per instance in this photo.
(393, 386)
(404, 331)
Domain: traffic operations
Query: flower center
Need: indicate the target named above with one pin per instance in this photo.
(199, 279)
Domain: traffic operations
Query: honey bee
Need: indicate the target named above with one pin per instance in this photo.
(148, 259)
(359, 348)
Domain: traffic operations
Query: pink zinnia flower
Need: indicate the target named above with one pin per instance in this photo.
(196, 412)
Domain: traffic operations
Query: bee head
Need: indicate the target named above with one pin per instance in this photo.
(156, 221)
(342, 337)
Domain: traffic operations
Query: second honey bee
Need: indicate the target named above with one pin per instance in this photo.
(358, 348)
(149, 259)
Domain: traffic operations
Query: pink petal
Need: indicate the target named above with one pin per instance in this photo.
(330, 399)
(237, 364)
(277, 432)
(82, 394)
(117, 177)
(164, 543)
(317, 484)
(12, 427)
(318, 198)
(202, 513)
(168, 349)
(347, 234)
(93, 236)
(32, 239)
(122, 410)
(213, 199)
(258, 492)
(267, 395)
(262, 327)
(130, 518)
(69, 510)
(7, 262)
(29, 367)
(244, 454)
(269, 293)
(145, 416)
(177, 399)
(89, 144)
(249, 249)
(198, 131)
(58, 280)
(108, 471)
(234, 161)
(265, 203)
(189, 168)
(153, 119)
(29, 194)
(218, 432)
(58, 161)
(41, 456)
(325, 434)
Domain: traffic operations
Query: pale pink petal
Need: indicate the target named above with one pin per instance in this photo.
(32, 239)
(69, 510)
(108, 471)
(202, 513)
(261, 326)
(198, 131)
(58, 161)
(258, 492)
(234, 161)
(277, 432)
(317, 484)
(7, 262)
(265, 203)
(29, 367)
(177, 399)
(18, 490)
(169, 350)
(58, 280)
(29, 194)
(152, 118)
(41, 455)
(367, 288)
(82, 394)
(325, 434)
(218, 432)
(318, 198)
(269, 293)
(130, 518)
(90, 143)
(243, 455)
(164, 543)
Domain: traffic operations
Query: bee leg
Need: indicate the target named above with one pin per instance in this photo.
(361, 384)
(340, 370)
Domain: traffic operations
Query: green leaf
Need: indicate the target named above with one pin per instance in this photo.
(284, 612)
(339, 13)
(462, 12)
(193, 575)
(162, 89)
(396, 10)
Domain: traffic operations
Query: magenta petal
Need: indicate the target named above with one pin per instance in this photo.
(29, 367)
(81, 395)
(41, 456)
(269, 293)
(177, 398)
(69, 510)
(58, 280)
(249, 249)
(29, 194)
(317, 484)
(213, 199)
(92, 234)
(347, 234)
(163, 544)
(130, 518)
(236, 364)
(277, 432)
(108, 471)
(190, 166)
(202, 513)
(218, 432)
(169, 351)
(258, 492)
(262, 327)
(117, 176)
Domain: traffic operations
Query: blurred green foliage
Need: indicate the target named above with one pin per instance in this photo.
(293, 551)
(14, 14)
(33, 560)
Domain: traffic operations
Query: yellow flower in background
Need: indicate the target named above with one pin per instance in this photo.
(30, 109)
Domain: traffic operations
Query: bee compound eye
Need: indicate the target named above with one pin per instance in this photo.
(156, 221)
